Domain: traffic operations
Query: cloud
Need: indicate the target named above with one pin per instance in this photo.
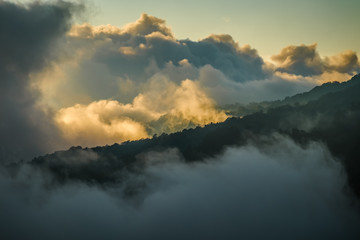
(126, 60)
(99, 123)
(345, 62)
(224, 91)
(280, 190)
(304, 60)
(70, 71)
(163, 107)
(145, 25)
(132, 48)
(300, 60)
(140, 68)
(28, 36)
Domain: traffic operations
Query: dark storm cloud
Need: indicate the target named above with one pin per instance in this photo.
(305, 60)
(28, 36)
(277, 191)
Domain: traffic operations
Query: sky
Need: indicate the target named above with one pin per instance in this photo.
(265, 25)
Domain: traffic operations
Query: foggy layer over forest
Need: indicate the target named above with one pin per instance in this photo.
(255, 172)
(171, 138)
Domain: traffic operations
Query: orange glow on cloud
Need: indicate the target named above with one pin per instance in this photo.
(130, 87)
(164, 107)
(89, 125)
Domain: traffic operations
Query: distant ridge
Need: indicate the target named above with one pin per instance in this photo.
(333, 119)
(321, 90)
(238, 110)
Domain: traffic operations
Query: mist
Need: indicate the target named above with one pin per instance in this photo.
(66, 84)
(277, 190)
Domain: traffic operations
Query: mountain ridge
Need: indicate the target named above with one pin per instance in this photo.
(333, 119)
(238, 109)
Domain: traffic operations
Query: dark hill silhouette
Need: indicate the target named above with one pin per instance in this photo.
(238, 109)
(330, 114)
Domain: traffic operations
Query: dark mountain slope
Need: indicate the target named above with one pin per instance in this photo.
(238, 109)
(333, 119)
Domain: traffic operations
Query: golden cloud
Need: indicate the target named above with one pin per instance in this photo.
(301, 60)
(304, 60)
(345, 62)
(97, 124)
(87, 30)
(163, 107)
(147, 24)
(144, 26)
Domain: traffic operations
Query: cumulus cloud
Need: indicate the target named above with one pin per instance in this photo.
(124, 59)
(121, 64)
(148, 39)
(279, 191)
(163, 107)
(71, 77)
(345, 62)
(301, 60)
(145, 25)
(305, 60)
(28, 36)
(99, 123)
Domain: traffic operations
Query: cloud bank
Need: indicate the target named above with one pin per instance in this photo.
(279, 190)
(122, 64)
